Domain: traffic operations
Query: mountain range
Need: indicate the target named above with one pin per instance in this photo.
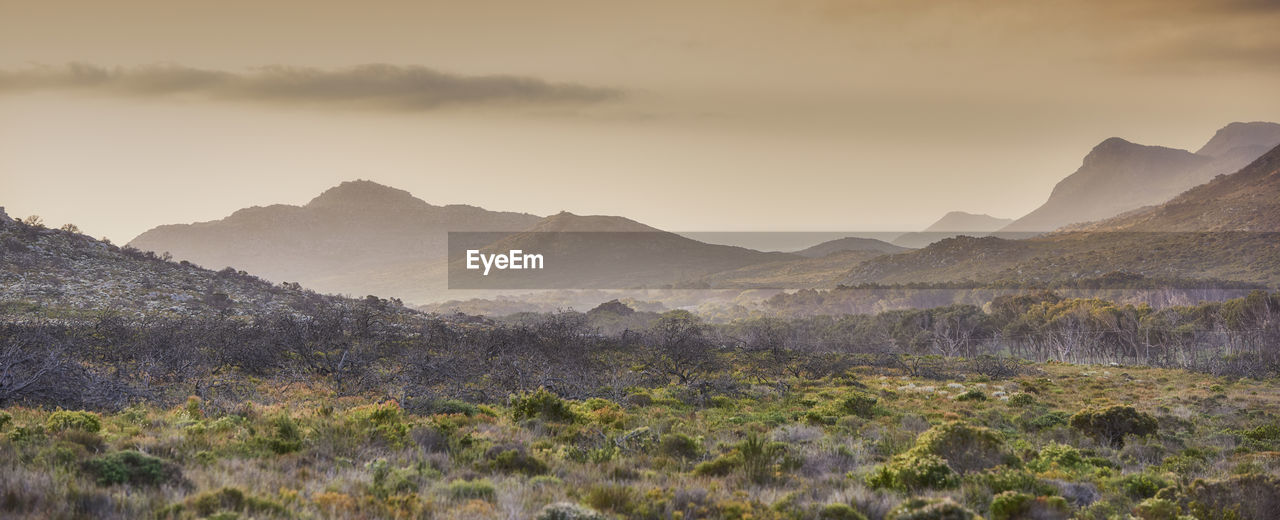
(1119, 176)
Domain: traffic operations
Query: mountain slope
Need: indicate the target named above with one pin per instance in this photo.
(66, 274)
(1228, 229)
(1119, 176)
(866, 245)
(356, 238)
(953, 224)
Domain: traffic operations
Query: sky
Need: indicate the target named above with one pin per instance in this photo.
(719, 115)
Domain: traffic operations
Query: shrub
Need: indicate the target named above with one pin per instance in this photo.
(1011, 505)
(131, 467)
(720, 466)
(513, 460)
(617, 498)
(840, 512)
(1057, 456)
(930, 509)
(74, 420)
(6, 419)
(1110, 425)
(760, 457)
(285, 437)
(914, 471)
(480, 489)
(384, 420)
(569, 511)
(1022, 399)
(972, 395)
(1048, 420)
(859, 405)
(230, 499)
(541, 404)
(1156, 509)
(965, 448)
(1141, 485)
(1243, 497)
(679, 445)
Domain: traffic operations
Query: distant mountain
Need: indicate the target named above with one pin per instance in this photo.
(1247, 201)
(586, 252)
(357, 238)
(869, 245)
(961, 222)
(1227, 229)
(1119, 176)
(953, 224)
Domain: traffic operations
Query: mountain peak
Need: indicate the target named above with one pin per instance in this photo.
(961, 221)
(1259, 134)
(364, 194)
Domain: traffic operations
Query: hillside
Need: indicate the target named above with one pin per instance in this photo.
(606, 252)
(955, 223)
(1223, 230)
(357, 238)
(858, 244)
(66, 273)
(1119, 176)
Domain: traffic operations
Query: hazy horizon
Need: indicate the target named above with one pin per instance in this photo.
(754, 116)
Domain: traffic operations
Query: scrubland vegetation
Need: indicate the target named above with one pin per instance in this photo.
(363, 411)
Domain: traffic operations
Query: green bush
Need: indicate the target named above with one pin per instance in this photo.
(285, 437)
(569, 511)
(6, 419)
(480, 489)
(966, 448)
(859, 405)
(541, 404)
(720, 466)
(513, 460)
(1057, 456)
(930, 509)
(1012, 505)
(1141, 485)
(1240, 497)
(74, 420)
(1022, 399)
(1048, 420)
(760, 457)
(1111, 424)
(972, 395)
(131, 467)
(911, 472)
(1157, 509)
(230, 499)
(617, 498)
(679, 445)
(840, 512)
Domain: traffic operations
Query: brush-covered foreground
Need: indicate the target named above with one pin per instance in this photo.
(1062, 441)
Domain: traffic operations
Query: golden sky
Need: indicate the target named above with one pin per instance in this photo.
(717, 115)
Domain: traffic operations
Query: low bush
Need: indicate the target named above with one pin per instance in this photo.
(930, 509)
(840, 512)
(131, 467)
(481, 489)
(569, 511)
(541, 404)
(1012, 505)
(62, 420)
(513, 460)
(911, 472)
(1111, 424)
(1240, 497)
(965, 448)
(679, 445)
(859, 405)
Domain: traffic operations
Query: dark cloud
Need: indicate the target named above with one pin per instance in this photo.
(374, 86)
